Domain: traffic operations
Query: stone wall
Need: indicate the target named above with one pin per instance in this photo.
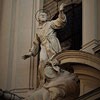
(15, 39)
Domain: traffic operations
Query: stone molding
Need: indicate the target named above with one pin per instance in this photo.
(74, 56)
(92, 42)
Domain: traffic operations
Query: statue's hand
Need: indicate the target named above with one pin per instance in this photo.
(27, 55)
(61, 8)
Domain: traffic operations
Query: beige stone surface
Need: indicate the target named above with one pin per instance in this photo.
(85, 65)
(98, 19)
(89, 25)
(15, 38)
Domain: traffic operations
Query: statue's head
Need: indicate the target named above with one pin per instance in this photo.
(42, 17)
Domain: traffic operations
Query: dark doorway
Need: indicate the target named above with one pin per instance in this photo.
(70, 36)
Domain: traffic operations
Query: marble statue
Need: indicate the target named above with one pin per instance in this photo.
(55, 83)
(45, 40)
(59, 84)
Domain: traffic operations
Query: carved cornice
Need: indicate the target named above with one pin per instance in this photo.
(97, 48)
(92, 42)
(75, 56)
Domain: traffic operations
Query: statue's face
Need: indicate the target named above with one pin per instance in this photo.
(42, 17)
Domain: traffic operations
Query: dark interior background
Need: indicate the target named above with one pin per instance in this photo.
(70, 36)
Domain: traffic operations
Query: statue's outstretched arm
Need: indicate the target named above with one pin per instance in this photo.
(34, 49)
(61, 20)
(61, 15)
(28, 55)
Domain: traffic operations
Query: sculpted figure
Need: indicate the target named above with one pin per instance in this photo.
(45, 40)
(59, 84)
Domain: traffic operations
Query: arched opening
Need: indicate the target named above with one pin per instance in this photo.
(70, 36)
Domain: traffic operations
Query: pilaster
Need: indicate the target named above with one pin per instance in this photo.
(89, 33)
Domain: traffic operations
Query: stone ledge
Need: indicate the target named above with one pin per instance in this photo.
(76, 56)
